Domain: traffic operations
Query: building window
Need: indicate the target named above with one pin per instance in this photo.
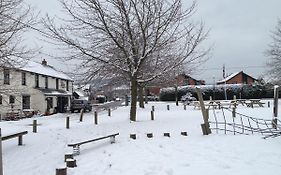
(36, 80)
(23, 78)
(6, 76)
(12, 99)
(57, 83)
(62, 84)
(26, 102)
(46, 82)
(67, 85)
(0, 99)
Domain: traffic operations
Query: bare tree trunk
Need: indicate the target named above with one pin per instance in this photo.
(145, 94)
(134, 94)
(140, 95)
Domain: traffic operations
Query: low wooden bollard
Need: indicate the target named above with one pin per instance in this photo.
(166, 134)
(109, 112)
(149, 135)
(268, 104)
(68, 156)
(96, 117)
(234, 112)
(71, 163)
(152, 115)
(81, 115)
(152, 108)
(184, 107)
(133, 136)
(168, 107)
(67, 123)
(34, 125)
(61, 171)
(184, 133)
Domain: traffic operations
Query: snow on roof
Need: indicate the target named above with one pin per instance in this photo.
(229, 77)
(35, 67)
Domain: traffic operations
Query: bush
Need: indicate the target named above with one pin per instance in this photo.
(217, 92)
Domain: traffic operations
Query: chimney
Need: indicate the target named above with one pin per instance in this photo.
(44, 62)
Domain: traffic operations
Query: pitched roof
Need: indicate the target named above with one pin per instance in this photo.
(229, 77)
(38, 68)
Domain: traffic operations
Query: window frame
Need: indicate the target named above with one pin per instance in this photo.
(6, 73)
(12, 99)
(37, 80)
(46, 82)
(23, 78)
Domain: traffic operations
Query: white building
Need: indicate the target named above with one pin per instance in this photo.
(34, 87)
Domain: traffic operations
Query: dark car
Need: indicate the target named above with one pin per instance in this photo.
(79, 104)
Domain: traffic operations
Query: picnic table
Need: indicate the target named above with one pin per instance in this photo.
(229, 103)
(252, 102)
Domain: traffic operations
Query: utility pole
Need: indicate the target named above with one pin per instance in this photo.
(223, 71)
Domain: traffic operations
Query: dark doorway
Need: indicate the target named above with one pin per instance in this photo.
(62, 104)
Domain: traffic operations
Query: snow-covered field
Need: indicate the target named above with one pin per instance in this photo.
(217, 154)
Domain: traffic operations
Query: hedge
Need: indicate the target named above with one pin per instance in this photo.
(217, 92)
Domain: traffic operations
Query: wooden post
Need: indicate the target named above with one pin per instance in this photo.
(205, 127)
(184, 106)
(71, 163)
(34, 126)
(152, 115)
(61, 171)
(268, 104)
(168, 107)
(109, 112)
(81, 115)
(133, 136)
(67, 122)
(153, 108)
(20, 140)
(126, 100)
(167, 134)
(149, 135)
(184, 133)
(1, 160)
(234, 112)
(275, 107)
(68, 156)
(96, 117)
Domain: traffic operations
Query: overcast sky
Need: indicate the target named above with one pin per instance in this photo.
(239, 33)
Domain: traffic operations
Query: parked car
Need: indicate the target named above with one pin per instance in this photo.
(79, 104)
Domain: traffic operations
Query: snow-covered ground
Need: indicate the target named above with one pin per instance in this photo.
(217, 154)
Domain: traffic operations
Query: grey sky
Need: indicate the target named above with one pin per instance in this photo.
(239, 33)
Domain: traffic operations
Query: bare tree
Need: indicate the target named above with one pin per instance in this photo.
(15, 18)
(126, 35)
(274, 53)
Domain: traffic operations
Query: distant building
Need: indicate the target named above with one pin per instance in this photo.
(238, 78)
(184, 80)
(180, 80)
(34, 87)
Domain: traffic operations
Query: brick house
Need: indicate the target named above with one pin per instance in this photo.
(180, 80)
(237, 78)
(184, 80)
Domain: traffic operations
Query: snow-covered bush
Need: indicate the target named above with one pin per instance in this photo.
(217, 92)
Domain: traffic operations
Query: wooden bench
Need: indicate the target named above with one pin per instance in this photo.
(19, 135)
(76, 146)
